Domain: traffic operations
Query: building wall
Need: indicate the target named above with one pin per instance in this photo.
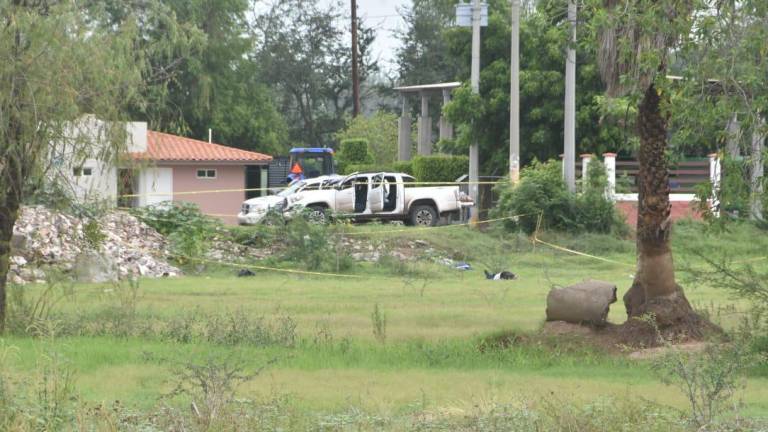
(218, 203)
(100, 185)
(680, 210)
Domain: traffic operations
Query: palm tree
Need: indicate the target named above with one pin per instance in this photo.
(635, 38)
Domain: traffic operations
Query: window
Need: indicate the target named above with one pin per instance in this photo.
(206, 173)
(82, 172)
(348, 184)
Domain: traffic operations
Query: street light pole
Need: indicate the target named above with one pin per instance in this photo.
(474, 151)
(514, 96)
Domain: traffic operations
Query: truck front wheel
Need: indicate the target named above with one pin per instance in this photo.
(424, 216)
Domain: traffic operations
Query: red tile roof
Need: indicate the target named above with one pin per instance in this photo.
(173, 148)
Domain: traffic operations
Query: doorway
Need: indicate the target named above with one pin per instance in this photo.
(127, 188)
(253, 181)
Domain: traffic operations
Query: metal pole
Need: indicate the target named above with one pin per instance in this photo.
(355, 72)
(569, 168)
(474, 152)
(514, 96)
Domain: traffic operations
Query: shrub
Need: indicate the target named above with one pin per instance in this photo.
(353, 168)
(403, 167)
(542, 191)
(353, 152)
(381, 131)
(188, 230)
(734, 192)
(313, 245)
(439, 168)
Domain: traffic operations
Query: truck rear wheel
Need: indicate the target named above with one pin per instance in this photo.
(424, 216)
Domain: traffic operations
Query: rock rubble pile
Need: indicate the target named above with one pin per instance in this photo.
(118, 246)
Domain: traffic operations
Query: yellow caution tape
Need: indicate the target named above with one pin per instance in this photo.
(268, 189)
(536, 239)
(560, 248)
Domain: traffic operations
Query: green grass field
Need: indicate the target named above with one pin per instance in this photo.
(435, 319)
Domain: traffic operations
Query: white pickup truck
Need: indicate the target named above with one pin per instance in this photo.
(379, 196)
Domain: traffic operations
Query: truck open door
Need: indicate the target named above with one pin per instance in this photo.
(376, 193)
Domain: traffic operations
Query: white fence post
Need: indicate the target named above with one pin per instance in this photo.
(715, 174)
(585, 159)
(609, 159)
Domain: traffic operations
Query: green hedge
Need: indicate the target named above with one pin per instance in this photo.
(403, 167)
(355, 151)
(439, 168)
(352, 168)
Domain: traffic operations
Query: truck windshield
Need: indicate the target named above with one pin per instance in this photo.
(292, 189)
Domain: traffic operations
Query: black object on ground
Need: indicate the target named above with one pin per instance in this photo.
(503, 275)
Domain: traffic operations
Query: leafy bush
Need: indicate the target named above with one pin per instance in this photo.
(93, 234)
(313, 245)
(403, 167)
(542, 191)
(353, 168)
(381, 131)
(439, 168)
(188, 230)
(353, 152)
(733, 194)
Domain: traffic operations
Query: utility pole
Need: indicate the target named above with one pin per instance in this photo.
(514, 96)
(355, 71)
(474, 151)
(570, 103)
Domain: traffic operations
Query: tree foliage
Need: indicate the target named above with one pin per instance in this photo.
(306, 59)
(543, 40)
(216, 84)
(425, 56)
(58, 65)
(379, 129)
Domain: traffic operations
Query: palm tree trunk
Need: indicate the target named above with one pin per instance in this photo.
(654, 289)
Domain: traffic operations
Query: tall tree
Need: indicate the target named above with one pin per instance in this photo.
(635, 38)
(217, 82)
(727, 67)
(425, 56)
(57, 66)
(305, 55)
(543, 39)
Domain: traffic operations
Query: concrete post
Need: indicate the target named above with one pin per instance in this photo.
(714, 179)
(264, 181)
(425, 127)
(514, 94)
(404, 131)
(585, 159)
(446, 128)
(570, 103)
(474, 149)
(609, 159)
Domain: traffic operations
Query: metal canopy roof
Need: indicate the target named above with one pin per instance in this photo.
(428, 87)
